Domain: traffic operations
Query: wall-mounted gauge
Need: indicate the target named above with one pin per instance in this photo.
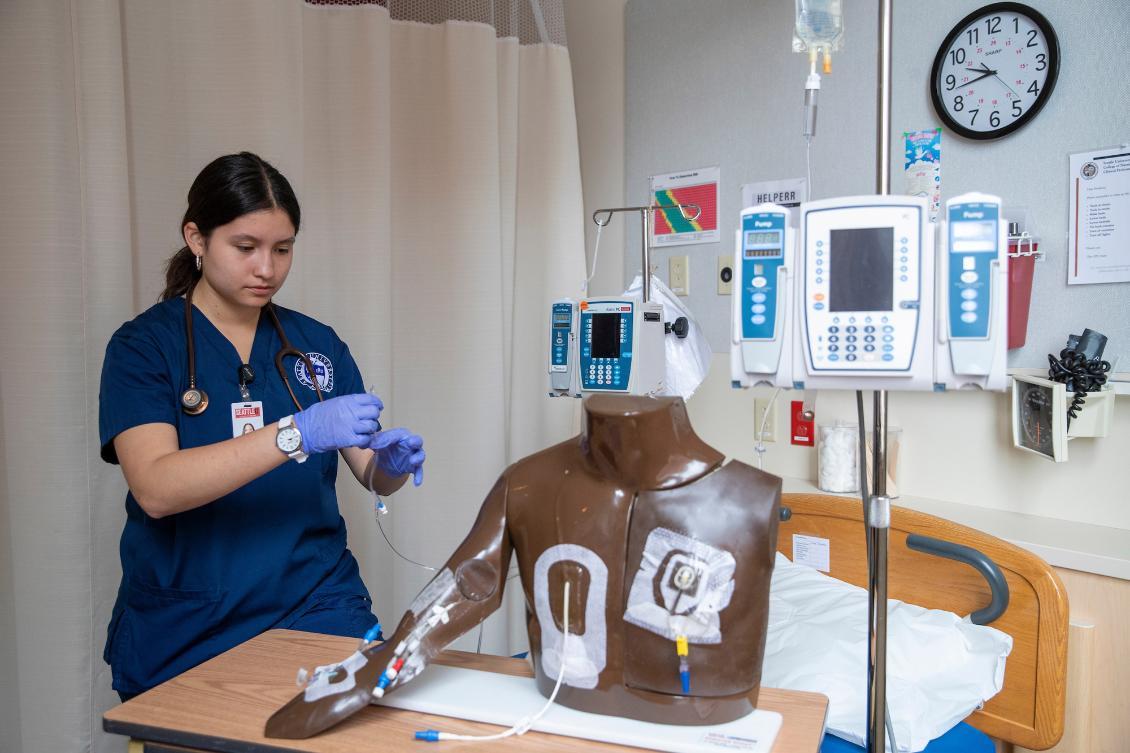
(1039, 417)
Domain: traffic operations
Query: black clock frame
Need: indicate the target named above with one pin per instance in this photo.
(1049, 82)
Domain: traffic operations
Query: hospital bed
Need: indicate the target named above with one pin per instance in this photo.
(1029, 710)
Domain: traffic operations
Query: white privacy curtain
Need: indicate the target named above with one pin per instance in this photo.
(433, 148)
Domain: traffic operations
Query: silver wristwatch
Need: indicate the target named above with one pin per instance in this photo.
(289, 439)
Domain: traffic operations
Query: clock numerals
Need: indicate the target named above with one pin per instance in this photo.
(1017, 110)
(993, 24)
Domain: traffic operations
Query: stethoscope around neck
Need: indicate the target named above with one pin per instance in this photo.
(194, 400)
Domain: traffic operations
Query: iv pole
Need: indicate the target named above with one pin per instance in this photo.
(645, 215)
(877, 508)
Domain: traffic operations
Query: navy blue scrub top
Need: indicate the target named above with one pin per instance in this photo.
(199, 582)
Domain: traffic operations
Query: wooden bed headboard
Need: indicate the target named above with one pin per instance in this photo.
(1029, 709)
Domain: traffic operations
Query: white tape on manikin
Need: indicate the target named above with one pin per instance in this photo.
(320, 685)
(585, 654)
(695, 582)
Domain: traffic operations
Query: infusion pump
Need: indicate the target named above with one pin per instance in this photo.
(763, 296)
(856, 297)
(606, 344)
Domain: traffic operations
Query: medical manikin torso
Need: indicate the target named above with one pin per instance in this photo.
(657, 539)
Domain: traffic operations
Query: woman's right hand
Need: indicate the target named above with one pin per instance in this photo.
(345, 421)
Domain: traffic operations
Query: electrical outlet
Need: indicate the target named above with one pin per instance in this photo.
(725, 275)
(761, 407)
(678, 275)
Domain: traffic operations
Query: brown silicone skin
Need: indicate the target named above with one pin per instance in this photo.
(638, 467)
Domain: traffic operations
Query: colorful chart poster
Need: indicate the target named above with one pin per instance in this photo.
(687, 187)
(923, 167)
(1099, 219)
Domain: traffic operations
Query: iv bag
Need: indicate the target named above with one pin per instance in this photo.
(819, 25)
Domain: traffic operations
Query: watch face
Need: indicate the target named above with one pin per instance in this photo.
(995, 70)
(288, 439)
(1035, 418)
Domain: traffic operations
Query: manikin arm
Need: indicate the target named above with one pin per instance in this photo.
(462, 594)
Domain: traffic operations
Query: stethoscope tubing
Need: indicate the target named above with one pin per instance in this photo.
(194, 400)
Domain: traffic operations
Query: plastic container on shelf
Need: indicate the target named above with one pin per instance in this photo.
(837, 457)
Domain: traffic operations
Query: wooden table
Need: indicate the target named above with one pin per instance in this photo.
(223, 704)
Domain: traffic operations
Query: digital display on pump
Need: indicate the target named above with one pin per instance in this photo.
(562, 320)
(971, 237)
(762, 238)
(861, 269)
(759, 243)
(605, 335)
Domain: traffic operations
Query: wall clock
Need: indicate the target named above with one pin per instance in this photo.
(995, 71)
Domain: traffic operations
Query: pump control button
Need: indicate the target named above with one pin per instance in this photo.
(969, 262)
(757, 319)
(759, 298)
(759, 282)
(969, 277)
(968, 317)
(969, 294)
(969, 305)
(758, 308)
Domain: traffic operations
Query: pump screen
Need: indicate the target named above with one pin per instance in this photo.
(762, 243)
(765, 238)
(861, 269)
(605, 335)
(971, 237)
(562, 320)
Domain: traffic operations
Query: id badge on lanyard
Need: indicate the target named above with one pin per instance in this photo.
(246, 417)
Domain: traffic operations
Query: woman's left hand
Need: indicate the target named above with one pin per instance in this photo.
(399, 451)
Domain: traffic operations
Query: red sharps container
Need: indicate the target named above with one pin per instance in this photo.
(1022, 254)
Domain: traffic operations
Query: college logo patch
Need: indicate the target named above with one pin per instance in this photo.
(323, 370)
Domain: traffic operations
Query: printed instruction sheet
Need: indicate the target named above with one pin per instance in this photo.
(1099, 220)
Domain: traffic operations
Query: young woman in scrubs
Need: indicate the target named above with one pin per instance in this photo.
(229, 531)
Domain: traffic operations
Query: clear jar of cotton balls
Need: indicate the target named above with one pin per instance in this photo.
(837, 457)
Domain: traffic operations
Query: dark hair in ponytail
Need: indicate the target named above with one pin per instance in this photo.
(229, 187)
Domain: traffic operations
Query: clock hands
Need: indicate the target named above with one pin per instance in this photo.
(1006, 86)
(985, 72)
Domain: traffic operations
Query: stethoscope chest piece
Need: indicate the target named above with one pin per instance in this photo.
(194, 401)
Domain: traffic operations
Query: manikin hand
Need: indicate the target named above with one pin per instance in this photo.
(399, 451)
(345, 421)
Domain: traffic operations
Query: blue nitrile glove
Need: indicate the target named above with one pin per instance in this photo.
(345, 421)
(399, 451)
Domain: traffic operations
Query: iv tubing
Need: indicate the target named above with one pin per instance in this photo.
(523, 725)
